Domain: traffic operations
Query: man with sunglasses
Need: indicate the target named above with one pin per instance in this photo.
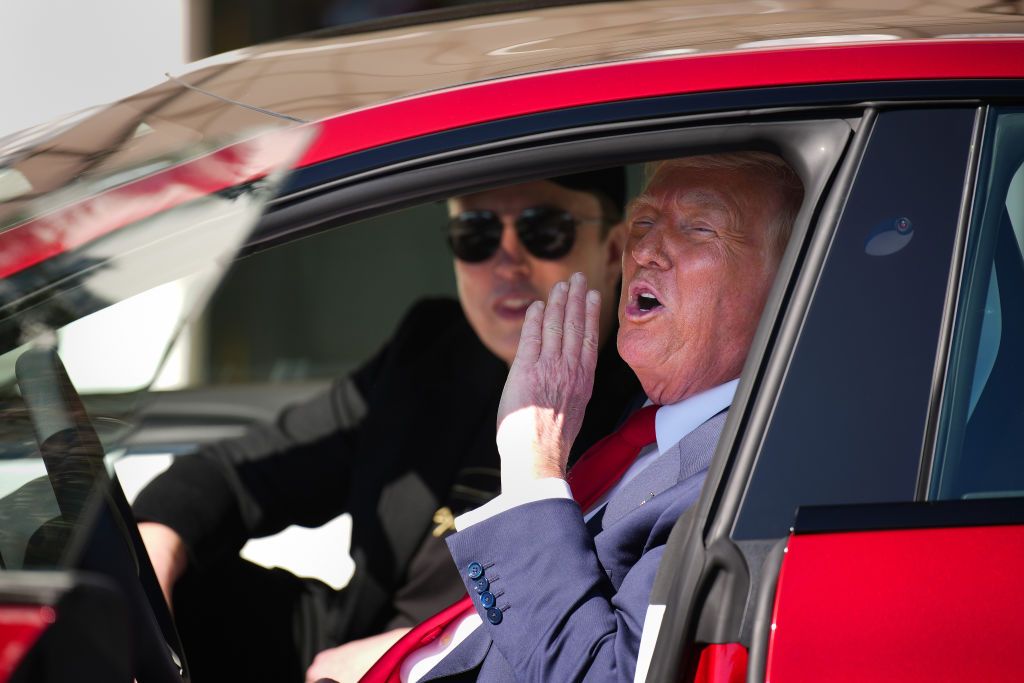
(403, 445)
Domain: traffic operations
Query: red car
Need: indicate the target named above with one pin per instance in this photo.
(863, 518)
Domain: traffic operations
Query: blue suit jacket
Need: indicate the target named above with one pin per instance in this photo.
(573, 604)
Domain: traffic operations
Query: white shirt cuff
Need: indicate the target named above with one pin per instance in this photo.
(539, 489)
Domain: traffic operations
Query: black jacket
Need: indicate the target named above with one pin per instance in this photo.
(409, 432)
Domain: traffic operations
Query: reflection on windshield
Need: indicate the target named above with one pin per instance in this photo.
(112, 304)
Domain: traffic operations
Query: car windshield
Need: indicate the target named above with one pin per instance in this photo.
(107, 296)
(61, 162)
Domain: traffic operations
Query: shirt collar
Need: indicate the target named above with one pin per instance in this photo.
(675, 420)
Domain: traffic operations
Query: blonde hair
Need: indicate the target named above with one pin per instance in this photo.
(776, 172)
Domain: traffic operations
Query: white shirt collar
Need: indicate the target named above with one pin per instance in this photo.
(675, 420)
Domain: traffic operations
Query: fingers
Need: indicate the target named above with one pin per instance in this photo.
(554, 316)
(592, 319)
(565, 326)
(530, 337)
(575, 312)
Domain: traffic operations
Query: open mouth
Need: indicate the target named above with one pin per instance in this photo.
(647, 302)
(643, 302)
(512, 307)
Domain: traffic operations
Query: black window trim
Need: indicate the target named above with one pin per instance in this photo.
(826, 519)
(950, 308)
(436, 177)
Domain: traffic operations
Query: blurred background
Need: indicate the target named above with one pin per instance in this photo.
(61, 56)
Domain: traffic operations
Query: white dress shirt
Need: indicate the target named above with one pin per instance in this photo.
(671, 423)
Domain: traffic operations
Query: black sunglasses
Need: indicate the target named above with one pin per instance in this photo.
(547, 232)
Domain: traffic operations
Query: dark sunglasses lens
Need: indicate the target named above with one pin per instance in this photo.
(474, 235)
(546, 232)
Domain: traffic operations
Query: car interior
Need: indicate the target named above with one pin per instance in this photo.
(298, 272)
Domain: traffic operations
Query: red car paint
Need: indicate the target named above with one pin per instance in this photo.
(363, 129)
(951, 597)
(722, 663)
(20, 628)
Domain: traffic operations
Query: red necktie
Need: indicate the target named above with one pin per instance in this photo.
(591, 477)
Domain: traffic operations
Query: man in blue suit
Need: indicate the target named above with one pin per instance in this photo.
(565, 589)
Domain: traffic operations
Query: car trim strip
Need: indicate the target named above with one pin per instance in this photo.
(654, 111)
(418, 115)
(821, 519)
(949, 315)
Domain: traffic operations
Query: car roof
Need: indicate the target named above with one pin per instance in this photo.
(384, 82)
(319, 76)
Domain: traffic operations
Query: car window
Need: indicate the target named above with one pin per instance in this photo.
(318, 307)
(981, 432)
(848, 422)
(110, 306)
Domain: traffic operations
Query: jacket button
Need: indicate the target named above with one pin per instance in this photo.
(481, 584)
(487, 600)
(494, 615)
(475, 570)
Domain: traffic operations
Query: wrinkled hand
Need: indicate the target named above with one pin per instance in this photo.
(347, 663)
(549, 384)
(166, 554)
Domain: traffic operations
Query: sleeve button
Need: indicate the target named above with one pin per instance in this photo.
(494, 615)
(487, 600)
(481, 584)
(475, 570)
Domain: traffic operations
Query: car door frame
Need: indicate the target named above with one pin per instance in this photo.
(719, 611)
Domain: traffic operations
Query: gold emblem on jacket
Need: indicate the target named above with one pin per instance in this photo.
(445, 521)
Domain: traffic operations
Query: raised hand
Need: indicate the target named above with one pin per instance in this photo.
(549, 384)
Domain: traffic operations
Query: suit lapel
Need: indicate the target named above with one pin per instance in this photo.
(660, 475)
(688, 457)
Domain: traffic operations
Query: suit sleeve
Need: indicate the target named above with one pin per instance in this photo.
(562, 618)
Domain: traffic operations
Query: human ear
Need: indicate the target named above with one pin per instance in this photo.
(615, 242)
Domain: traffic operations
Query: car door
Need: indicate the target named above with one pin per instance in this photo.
(931, 590)
(77, 593)
(867, 529)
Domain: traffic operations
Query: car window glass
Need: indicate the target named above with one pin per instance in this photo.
(117, 348)
(318, 307)
(979, 447)
(110, 303)
(848, 422)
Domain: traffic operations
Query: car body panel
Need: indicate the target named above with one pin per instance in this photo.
(387, 123)
(20, 628)
(908, 605)
(316, 77)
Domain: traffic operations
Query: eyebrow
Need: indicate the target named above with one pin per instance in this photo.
(705, 198)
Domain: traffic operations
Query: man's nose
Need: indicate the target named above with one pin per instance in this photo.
(647, 249)
(511, 256)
